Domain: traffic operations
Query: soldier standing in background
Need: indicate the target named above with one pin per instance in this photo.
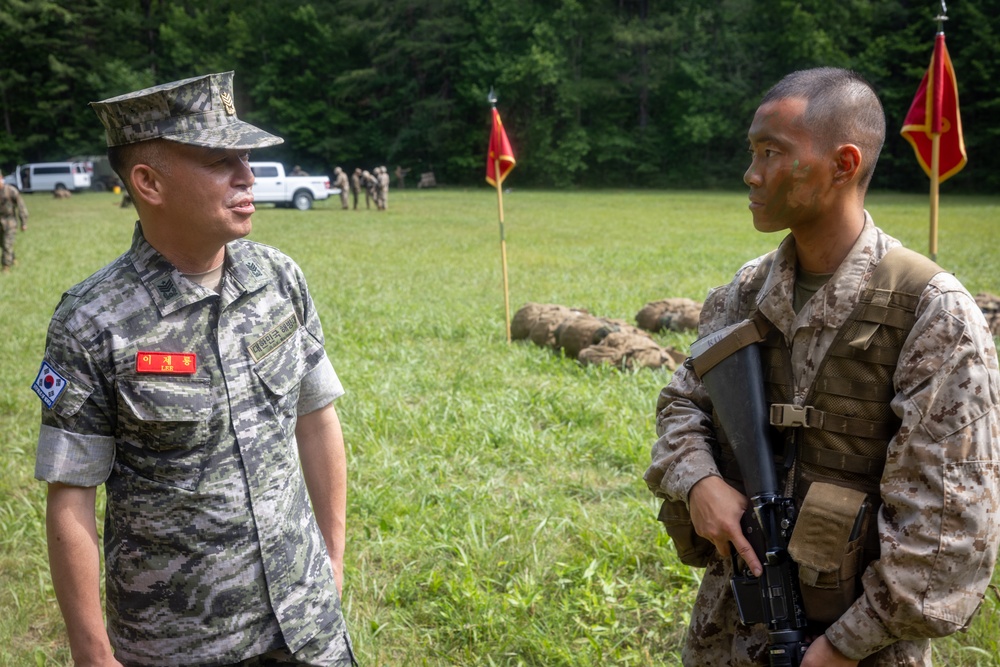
(189, 377)
(401, 176)
(383, 188)
(356, 185)
(12, 213)
(371, 184)
(340, 181)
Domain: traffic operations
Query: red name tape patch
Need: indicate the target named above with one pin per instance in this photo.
(174, 363)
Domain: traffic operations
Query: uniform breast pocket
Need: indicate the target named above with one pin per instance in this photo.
(166, 427)
(282, 371)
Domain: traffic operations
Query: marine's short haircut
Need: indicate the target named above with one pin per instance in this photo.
(841, 108)
(123, 158)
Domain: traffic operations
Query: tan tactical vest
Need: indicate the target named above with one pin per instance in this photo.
(842, 433)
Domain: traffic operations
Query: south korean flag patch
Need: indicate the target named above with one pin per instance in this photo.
(49, 385)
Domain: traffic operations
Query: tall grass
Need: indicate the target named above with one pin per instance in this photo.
(497, 514)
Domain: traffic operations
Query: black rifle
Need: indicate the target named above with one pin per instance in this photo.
(732, 374)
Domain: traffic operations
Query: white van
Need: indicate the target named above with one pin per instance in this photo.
(49, 176)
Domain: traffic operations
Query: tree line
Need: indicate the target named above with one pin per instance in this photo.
(623, 93)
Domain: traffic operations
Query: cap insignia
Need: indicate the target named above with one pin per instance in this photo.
(227, 102)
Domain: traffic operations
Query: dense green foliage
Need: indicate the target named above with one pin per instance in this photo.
(496, 512)
(617, 92)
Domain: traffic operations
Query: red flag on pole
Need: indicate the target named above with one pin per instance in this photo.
(500, 154)
(935, 111)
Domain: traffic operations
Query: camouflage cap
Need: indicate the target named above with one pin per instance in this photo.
(198, 111)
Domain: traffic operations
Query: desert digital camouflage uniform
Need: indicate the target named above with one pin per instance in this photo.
(940, 520)
(371, 187)
(194, 463)
(342, 183)
(13, 213)
(382, 188)
(356, 185)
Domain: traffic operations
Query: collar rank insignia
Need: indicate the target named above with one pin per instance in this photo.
(254, 269)
(49, 385)
(227, 103)
(167, 289)
(169, 363)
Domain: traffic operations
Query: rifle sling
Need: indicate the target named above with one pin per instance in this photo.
(746, 333)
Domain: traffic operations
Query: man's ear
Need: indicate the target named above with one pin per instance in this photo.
(848, 164)
(147, 184)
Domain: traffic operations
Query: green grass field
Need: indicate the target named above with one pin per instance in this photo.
(497, 514)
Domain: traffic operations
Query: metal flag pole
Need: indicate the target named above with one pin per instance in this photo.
(492, 99)
(936, 144)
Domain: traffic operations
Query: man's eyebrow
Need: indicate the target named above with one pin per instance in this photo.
(763, 139)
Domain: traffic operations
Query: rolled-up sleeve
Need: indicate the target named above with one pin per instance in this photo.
(76, 443)
(940, 520)
(319, 388)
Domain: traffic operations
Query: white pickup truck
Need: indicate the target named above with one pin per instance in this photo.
(271, 184)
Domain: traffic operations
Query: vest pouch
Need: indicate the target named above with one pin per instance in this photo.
(692, 548)
(827, 544)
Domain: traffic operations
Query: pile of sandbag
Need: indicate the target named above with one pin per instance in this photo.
(590, 339)
(677, 314)
(990, 305)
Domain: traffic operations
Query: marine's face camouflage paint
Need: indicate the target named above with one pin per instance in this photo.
(785, 178)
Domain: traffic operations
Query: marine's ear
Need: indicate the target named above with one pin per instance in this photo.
(847, 164)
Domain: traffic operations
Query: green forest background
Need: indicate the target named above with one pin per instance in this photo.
(623, 93)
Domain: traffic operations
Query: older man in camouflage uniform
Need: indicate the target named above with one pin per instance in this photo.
(189, 377)
(12, 213)
(814, 142)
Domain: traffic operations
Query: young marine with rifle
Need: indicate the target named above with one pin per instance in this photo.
(831, 451)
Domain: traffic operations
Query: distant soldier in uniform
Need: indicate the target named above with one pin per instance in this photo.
(370, 183)
(401, 176)
(13, 213)
(298, 171)
(383, 188)
(886, 399)
(189, 377)
(340, 181)
(356, 185)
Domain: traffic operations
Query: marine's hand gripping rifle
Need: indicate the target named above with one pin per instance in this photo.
(728, 363)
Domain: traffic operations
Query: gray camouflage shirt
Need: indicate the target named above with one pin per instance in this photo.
(940, 520)
(212, 551)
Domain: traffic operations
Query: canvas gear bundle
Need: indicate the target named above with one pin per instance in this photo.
(629, 350)
(578, 332)
(676, 314)
(525, 318)
(543, 330)
(590, 339)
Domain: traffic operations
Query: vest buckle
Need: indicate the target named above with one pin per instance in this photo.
(786, 414)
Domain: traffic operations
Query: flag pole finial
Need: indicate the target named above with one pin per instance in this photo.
(942, 17)
(491, 97)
